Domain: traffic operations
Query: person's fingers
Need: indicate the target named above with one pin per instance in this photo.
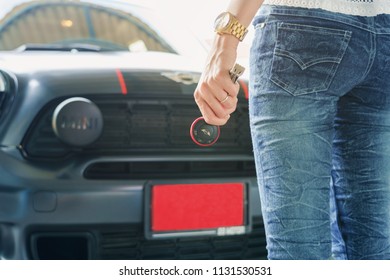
(225, 99)
(216, 95)
(208, 95)
(230, 101)
(209, 113)
(210, 117)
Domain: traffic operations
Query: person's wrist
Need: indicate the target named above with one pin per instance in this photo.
(226, 41)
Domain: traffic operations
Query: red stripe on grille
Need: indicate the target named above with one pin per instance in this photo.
(244, 87)
(121, 81)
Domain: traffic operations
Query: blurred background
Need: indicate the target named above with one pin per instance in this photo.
(199, 16)
(193, 16)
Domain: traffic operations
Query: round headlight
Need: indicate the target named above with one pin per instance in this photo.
(77, 122)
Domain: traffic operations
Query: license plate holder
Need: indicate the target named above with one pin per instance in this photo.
(175, 210)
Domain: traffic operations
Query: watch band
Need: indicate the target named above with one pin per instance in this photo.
(230, 25)
(238, 30)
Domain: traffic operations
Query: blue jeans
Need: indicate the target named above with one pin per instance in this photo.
(320, 124)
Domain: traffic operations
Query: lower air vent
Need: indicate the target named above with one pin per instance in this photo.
(129, 243)
(169, 169)
(61, 246)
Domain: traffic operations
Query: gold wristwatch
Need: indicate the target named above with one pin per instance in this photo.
(226, 23)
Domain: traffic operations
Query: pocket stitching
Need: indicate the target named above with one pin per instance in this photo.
(303, 65)
(336, 60)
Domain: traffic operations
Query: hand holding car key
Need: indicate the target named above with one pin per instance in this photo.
(204, 134)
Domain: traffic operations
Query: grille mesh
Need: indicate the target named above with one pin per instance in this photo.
(140, 125)
(169, 169)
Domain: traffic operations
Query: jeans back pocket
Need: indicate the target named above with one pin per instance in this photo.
(306, 58)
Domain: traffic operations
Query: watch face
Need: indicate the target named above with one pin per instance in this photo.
(222, 21)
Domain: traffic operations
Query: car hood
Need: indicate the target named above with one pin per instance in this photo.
(42, 61)
(39, 77)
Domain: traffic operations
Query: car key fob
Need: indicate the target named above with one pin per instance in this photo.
(204, 134)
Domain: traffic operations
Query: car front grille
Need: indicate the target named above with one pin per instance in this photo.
(140, 125)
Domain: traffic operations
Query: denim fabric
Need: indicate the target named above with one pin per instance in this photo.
(320, 123)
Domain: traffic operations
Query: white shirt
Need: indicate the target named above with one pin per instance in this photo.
(351, 7)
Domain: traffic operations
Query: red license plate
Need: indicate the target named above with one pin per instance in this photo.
(191, 207)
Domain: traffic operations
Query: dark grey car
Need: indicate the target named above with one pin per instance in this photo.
(96, 161)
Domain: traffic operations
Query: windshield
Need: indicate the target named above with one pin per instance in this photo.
(95, 25)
